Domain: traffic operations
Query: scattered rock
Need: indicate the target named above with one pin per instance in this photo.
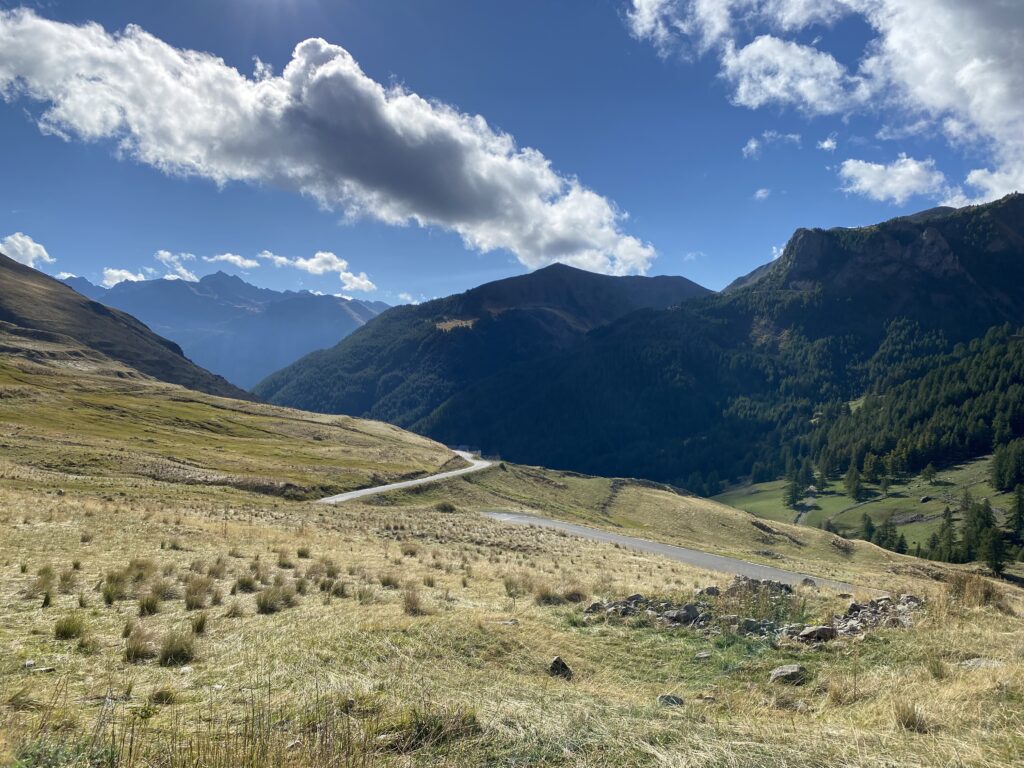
(559, 668)
(808, 582)
(685, 615)
(709, 591)
(670, 700)
(744, 584)
(791, 674)
(817, 633)
(980, 663)
(28, 664)
(925, 499)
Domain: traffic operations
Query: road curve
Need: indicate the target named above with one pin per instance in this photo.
(690, 556)
(475, 465)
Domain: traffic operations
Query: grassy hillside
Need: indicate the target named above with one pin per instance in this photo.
(67, 410)
(148, 619)
(30, 299)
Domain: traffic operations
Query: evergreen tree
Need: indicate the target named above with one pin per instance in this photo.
(867, 528)
(901, 545)
(1016, 517)
(793, 493)
(928, 474)
(993, 551)
(852, 484)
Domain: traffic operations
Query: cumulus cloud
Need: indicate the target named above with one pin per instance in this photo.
(176, 270)
(322, 263)
(65, 275)
(408, 298)
(762, 194)
(112, 277)
(234, 259)
(322, 127)
(943, 66)
(828, 144)
(896, 182)
(25, 250)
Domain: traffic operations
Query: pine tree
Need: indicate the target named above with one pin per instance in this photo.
(1016, 518)
(928, 474)
(993, 551)
(867, 528)
(901, 545)
(851, 483)
(793, 494)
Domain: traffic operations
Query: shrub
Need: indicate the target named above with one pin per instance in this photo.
(86, 537)
(409, 549)
(445, 506)
(975, 591)
(389, 581)
(365, 594)
(176, 649)
(69, 627)
(303, 553)
(274, 599)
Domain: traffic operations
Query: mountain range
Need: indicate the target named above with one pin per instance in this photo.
(232, 328)
(692, 388)
(411, 360)
(31, 300)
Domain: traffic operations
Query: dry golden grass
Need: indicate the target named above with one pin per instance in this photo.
(455, 675)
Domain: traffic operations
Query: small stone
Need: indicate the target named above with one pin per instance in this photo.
(670, 700)
(791, 674)
(559, 668)
(637, 598)
(595, 608)
(28, 664)
(980, 663)
(911, 600)
(709, 591)
(185, 670)
(818, 633)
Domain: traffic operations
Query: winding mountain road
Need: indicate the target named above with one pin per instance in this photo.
(693, 557)
(475, 465)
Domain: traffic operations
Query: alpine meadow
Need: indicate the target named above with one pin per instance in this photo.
(634, 383)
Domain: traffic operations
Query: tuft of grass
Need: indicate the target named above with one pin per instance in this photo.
(234, 611)
(274, 599)
(303, 553)
(69, 627)
(198, 622)
(389, 580)
(412, 602)
(163, 697)
(247, 583)
(420, 727)
(176, 649)
(908, 716)
(149, 605)
(196, 592)
(139, 645)
(976, 591)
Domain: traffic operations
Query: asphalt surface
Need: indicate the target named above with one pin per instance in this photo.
(475, 465)
(694, 557)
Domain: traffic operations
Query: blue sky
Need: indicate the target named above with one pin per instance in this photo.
(640, 112)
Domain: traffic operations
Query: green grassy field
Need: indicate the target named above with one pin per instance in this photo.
(915, 518)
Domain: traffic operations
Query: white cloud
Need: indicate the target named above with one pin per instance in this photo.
(694, 255)
(277, 261)
(829, 143)
(777, 251)
(762, 194)
(896, 182)
(112, 277)
(754, 145)
(770, 70)
(25, 250)
(408, 298)
(65, 275)
(322, 263)
(323, 128)
(947, 67)
(173, 262)
(234, 259)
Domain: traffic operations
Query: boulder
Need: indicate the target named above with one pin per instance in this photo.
(791, 674)
(817, 633)
(559, 668)
(685, 614)
(710, 591)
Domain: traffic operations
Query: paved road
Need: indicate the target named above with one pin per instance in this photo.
(475, 465)
(682, 554)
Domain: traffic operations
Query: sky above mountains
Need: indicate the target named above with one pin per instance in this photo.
(401, 151)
